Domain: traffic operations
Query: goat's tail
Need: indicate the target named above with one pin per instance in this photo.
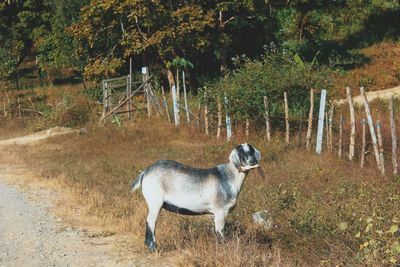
(137, 182)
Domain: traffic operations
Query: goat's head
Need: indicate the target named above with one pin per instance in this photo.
(245, 157)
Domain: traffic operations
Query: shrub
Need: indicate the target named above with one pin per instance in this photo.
(277, 72)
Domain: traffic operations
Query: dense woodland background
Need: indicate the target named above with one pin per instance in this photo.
(54, 54)
(301, 41)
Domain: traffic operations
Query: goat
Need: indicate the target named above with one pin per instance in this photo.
(191, 191)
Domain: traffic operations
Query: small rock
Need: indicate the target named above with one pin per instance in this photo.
(263, 218)
(82, 131)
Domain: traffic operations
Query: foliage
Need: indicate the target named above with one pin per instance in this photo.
(277, 72)
(8, 66)
(96, 38)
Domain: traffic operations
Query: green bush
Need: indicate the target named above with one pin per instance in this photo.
(277, 72)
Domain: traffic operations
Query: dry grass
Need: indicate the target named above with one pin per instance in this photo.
(307, 195)
(382, 72)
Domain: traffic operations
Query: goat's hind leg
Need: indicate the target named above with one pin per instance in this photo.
(150, 237)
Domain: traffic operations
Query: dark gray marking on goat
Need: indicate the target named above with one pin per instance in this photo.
(150, 243)
(172, 208)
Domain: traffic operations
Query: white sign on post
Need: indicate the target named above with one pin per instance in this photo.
(144, 70)
(321, 115)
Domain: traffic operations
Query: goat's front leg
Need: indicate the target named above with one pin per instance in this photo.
(219, 219)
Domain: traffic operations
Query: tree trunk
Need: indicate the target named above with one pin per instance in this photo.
(223, 61)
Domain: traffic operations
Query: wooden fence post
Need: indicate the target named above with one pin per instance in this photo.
(362, 161)
(145, 72)
(340, 136)
(330, 121)
(371, 126)
(380, 143)
(247, 129)
(310, 119)
(175, 105)
(394, 137)
(105, 106)
(185, 97)
(205, 113)
(165, 103)
(19, 107)
(227, 121)
(178, 93)
(300, 128)
(327, 130)
(128, 95)
(198, 124)
(219, 107)
(4, 107)
(267, 124)
(320, 131)
(130, 89)
(287, 136)
(353, 124)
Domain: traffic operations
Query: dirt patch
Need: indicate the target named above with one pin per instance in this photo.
(371, 96)
(36, 137)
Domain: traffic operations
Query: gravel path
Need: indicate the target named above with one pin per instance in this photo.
(30, 236)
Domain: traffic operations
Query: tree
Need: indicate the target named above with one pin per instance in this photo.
(56, 49)
(8, 67)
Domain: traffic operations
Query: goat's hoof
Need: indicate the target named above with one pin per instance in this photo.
(152, 246)
(220, 239)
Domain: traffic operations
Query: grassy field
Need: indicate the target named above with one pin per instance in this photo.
(327, 211)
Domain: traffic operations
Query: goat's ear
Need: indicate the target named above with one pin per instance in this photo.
(257, 154)
(234, 158)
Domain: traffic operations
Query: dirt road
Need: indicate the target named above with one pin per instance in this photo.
(30, 236)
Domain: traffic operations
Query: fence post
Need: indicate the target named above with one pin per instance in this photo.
(380, 143)
(394, 137)
(175, 105)
(178, 91)
(205, 113)
(227, 121)
(287, 136)
(300, 129)
(219, 107)
(128, 95)
(353, 124)
(267, 124)
(103, 87)
(363, 143)
(371, 126)
(19, 107)
(340, 136)
(145, 74)
(130, 89)
(247, 129)
(330, 121)
(327, 130)
(4, 107)
(185, 97)
(198, 124)
(320, 131)
(165, 103)
(310, 119)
